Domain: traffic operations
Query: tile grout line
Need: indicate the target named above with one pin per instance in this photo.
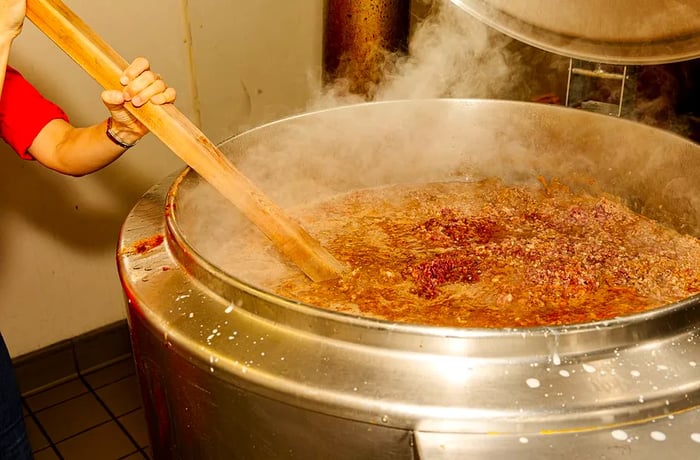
(115, 336)
(106, 364)
(132, 453)
(75, 435)
(105, 385)
(80, 375)
(103, 404)
(58, 403)
(48, 386)
(74, 397)
(111, 414)
(88, 390)
(33, 416)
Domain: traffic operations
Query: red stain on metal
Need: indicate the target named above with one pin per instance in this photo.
(169, 209)
(148, 244)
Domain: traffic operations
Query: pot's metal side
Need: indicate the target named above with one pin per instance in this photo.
(193, 413)
(196, 410)
(267, 392)
(674, 436)
(230, 371)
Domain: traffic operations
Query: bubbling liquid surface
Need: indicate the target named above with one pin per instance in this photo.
(487, 255)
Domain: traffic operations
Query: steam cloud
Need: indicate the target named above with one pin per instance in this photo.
(452, 54)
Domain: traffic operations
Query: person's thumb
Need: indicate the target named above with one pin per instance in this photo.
(113, 99)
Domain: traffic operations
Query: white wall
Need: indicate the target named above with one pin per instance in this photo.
(254, 60)
(249, 62)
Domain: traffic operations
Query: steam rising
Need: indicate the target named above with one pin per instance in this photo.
(452, 54)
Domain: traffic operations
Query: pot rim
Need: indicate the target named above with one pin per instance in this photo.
(613, 333)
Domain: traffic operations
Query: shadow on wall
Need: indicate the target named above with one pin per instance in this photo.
(84, 214)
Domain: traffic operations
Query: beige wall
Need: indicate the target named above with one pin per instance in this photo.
(235, 64)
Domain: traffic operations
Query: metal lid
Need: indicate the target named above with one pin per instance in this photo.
(606, 31)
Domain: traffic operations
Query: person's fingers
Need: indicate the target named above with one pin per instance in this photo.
(144, 95)
(141, 84)
(136, 68)
(165, 97)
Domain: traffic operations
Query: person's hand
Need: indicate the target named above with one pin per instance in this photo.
(12, 17)
(141, 85)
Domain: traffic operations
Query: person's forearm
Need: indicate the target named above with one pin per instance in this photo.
(5, 45)
(75, 151)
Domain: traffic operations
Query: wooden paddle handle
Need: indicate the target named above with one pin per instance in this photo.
(176, 131)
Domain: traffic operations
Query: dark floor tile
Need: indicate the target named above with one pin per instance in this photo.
(44, 368)
(104, 442)
(106, 344)
(56, 395)
(122, 396)
(135, 425)
(72, 417)
(46, 454)
(36, 438)
(110, 374)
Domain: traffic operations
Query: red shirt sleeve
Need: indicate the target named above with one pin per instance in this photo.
(24, 112)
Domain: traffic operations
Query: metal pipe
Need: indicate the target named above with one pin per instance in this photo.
(359, 35)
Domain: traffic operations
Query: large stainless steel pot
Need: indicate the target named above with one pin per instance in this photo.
(231, 371)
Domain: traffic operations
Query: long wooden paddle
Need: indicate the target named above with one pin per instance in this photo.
(176, 131)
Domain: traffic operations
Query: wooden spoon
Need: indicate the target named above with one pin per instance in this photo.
(176, 131)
